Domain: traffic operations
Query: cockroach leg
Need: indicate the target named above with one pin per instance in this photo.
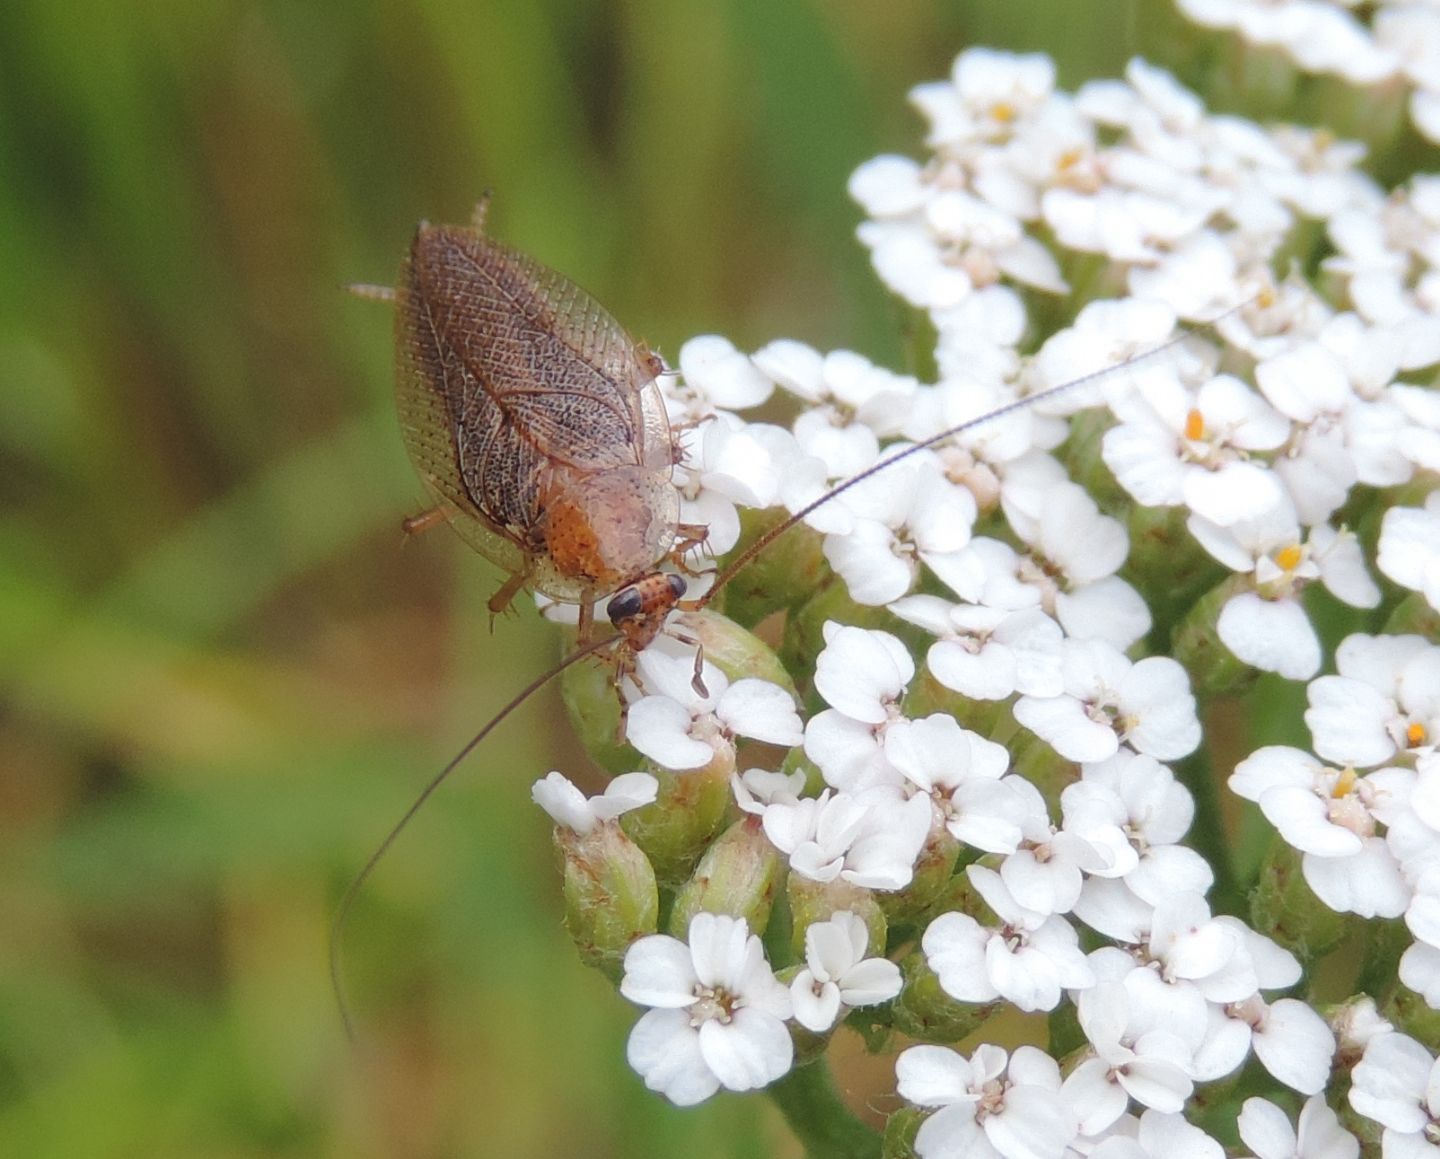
(508, 590)
(423, 521)
(371, 292)
(477, 215)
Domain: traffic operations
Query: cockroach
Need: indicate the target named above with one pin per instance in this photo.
(538, 426)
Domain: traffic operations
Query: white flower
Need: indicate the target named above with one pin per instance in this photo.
(1289, 1038)
(1385, 700)
(987, 653)
(1132, 1059)
(1155, 811)
(1267, 628)
(1410, 548)
(964, 774)
(757, 788)
(679, 729)
(1107, 700)
(1330, 816)
(1397, 1084)
(719, 1013)
(862, 673)
(1266, 1130)
(906, 513)
(870, 839)
(986, 1109)
(1028, 959)
(838, 975)
(569, 807)
(1173, 447)
(727, 378)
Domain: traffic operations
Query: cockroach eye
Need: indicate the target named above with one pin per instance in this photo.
(626, 604)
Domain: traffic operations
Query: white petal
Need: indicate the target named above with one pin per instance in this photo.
(660, 728)
(665, 1052)
(1296, 1046)
(815, 1012)
(933, 1076)
(659, 972)
(762, 710)
(751, 1051)
(1271, 635)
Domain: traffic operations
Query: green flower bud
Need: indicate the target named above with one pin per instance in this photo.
(676, 828)
(1214, 669)
(738, 875)
(735, 651)
(933, 870)
(926, 1012)
(610, 894)
(588, 689)
(1166, 563)
(815, 901)
(780, 576)
(1414, 616)
(900, 1131)
(1283, 906)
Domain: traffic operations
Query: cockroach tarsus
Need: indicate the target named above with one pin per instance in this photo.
(563, 559)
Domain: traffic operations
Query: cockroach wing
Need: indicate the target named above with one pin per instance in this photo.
(506, 373)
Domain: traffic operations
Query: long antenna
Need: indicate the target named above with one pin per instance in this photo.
(347, 900)
(743, 559)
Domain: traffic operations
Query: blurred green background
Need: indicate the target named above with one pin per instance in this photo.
(223, 675)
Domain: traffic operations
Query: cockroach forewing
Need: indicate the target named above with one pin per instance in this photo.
(507, 372)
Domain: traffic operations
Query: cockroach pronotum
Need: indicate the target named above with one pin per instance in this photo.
(539, 428)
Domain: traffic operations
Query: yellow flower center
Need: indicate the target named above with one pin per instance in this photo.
(1415, 735)
(1194, 425)
(1288, 558)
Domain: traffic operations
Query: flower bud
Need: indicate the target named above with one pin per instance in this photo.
(815, 901)
(1166, 563)
(780, 576)
(687, 813)
(610, 894)
(1214, 669)
(735, 651)
(900, 1130)
(933, 870)
(738, 875)
(588, 689)
(1284, 907)
(1414, 616)
(925, 1012)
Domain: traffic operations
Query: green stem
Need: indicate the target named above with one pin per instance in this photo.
(1207, 834)
(826, 1127)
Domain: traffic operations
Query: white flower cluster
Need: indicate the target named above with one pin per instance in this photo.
(999, 555)
(1385, 42)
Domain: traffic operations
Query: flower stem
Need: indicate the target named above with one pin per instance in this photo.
(822, 1122)
(1208, 832)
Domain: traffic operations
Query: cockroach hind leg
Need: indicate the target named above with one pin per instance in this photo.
(423, 521)
(500, 601)
(587, 622)
(482, 207)
(371, 292)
